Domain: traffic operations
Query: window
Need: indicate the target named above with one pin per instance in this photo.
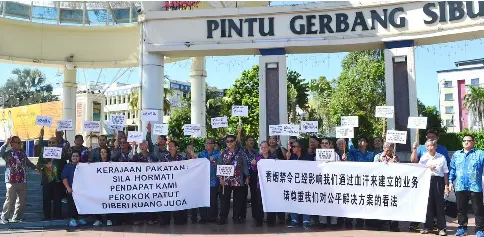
(124, 99)
(119, 99)
(449, 109)
(185, 95)
(107, 102)
(128, 115)
(475, 82)
(447, 84)
(449, 97)
(106, 117)
(449, 123)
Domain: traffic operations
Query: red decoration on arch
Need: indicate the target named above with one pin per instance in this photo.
(180, 5)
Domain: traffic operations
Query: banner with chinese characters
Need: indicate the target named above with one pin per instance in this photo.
(141, 187)
(345, 189)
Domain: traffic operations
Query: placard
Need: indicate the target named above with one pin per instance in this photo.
(384, 111)
(399, 137)
(43, 121)
(309, 126)
(160, 129)
(52, 152)
(290, 130)
(327, 155)
(117, 121)
(193, 130)
(65, 125)
(134, 136)
(417, 122)
(345, 132)
(149, 115)
(92, 126)
(219, 122)
(349, 121)
(275, 130)
(240, 110)
(225, 170)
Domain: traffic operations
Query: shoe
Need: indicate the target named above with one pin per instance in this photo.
(3, 221)
(480, 233)
(443, 232)
(461, 232)
(413, 227)
(151, 222)
(17, 220)
(425, 231)
(64, 200)
(72, 223)
(109, 223)
(82, 221)
(306, 226)
(292, 224)
(97, 223)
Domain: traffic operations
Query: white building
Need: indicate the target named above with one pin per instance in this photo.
(452, 84)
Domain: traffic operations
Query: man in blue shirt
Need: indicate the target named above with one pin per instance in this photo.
(465, 177)
(210, 214)
(432, 134)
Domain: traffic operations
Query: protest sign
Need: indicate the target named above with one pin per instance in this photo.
(275, 130)
(52, 152)
(345, 132)
(325, 155)
(193, 130)
(219, 122)
(349, 121)
(240, 111)
(384, 111)
(44, 121)
(149, 115)
(290, 130)
(92, 126)
(117, 121)
(225, 170)
(160, 129)
(134, 136)
(399, 137)
(65, 125)
(417, 122)
(309, 126)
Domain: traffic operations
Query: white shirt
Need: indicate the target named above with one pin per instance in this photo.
(438, 160)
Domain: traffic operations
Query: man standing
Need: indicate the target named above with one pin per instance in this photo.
(210, 214)
(250, 154)
(95, 154)
(278, 152)
(465, 176)
(159, 150)
(17, 163)
(432, 134)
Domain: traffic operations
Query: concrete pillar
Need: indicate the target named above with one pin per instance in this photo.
(69, 91)
(401, 89)
(272, 92)
(152, 85)
(198, 93)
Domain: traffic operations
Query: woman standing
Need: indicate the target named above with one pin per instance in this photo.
(67, 179)
(104, 156)
(179, 217)
(257, 207)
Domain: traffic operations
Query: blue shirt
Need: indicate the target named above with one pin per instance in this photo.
(68, 173)
(213, 166)
(466, 170)
(357, 156)
(440, 149)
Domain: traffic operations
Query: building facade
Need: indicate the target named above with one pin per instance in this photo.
(453, 86)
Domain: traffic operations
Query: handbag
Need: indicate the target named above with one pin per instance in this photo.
(450, 209)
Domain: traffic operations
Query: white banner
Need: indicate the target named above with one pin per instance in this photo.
(399, 137)
(349, 121)
(384, 111)
(92, 126)
(65, 125)
(309, 126)
(160, 129)
(240, 110)
(220, 122)
(345, 132)
(417, 122)
(194, 130)
(345, 189)
(149, 115)
(141, 187)
(52, 152)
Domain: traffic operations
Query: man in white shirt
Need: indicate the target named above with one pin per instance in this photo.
(439, 181)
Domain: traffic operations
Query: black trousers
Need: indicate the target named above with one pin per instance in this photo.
(225, 201)
(257, 208)
(180, 217)
(51, 199)
(243, 205)
(462, 198)
(71, 207)
(209, 213)
(435, 206)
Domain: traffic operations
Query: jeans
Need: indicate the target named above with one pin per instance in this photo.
(306, 218)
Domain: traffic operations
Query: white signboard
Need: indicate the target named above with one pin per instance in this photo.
(65, 125)
(349, 121)
(399, 137)
(290, 130)
(92, 126)
(417, 122)
(43, 121)
(275, 130)
(219, 122)
(345, 132)
(134, 136)
(160, 129)
(52, 152)
(117, 121)
(149, 115)
(240, 111)
(309, 126)
(325, 155)
(225, 170)
(370, 190)
(192, 130)
(125, 187)
(384, 111)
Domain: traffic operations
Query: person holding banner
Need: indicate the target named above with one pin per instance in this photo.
(211, 214)
(439, 179)
(52, 187)
(256, 204)
(233, 155)
(80, 148)
(465, 177)
(16, 162)
(159, 150)
(67, 179)
(104, 157)
(278, 152)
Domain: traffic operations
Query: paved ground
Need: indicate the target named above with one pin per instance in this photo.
(208, 230)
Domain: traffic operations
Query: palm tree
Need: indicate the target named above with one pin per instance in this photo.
(474, 101)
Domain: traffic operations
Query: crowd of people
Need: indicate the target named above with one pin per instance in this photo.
(461, 174)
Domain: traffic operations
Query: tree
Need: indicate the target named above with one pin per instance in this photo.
(359, 89)
(178, 118)
(474, 101)
(297, 94)
(321, 91)
(27, 86)
(433, 118)
(216, 106)
(134, 100)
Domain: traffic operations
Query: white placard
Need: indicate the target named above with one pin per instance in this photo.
(240, 110)
(52, 152)
(417, 122)
(219, 122)
(117, 121)
(345, 132)
(290, 130)
(325, 155)
(369, 190)
(92, 126)
(193, 130)
(127, 187)
(349, 121)
(149, 115)
(275, 130)
(225, 170)
(43, 121)
(65, 125)
(399, 137)
(309, 126)
(134, 136)
(384, 111)
(160, 129)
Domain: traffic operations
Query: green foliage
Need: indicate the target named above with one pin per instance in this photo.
(27, 86)
(297, 94)
(453, 141)
(474, 101)
(433, 118)
(178, 118)
(321, 91)
(183, 142)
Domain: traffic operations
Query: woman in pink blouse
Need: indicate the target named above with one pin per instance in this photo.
(256, 197)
